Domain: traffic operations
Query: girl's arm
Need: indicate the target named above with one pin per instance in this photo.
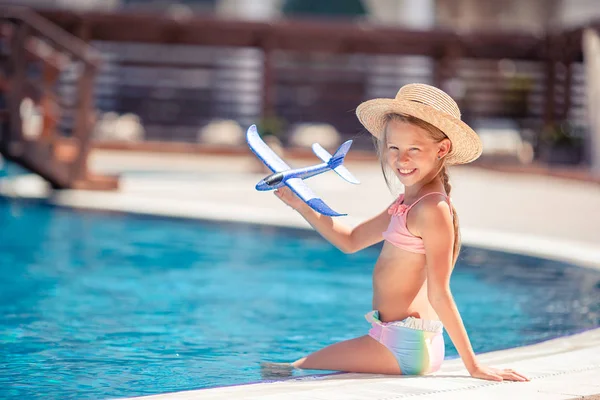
(434, 224)
(345, 238)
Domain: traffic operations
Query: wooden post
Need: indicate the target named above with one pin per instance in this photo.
(445, 73)
(83, 122)
(550, 72)
(439, 68)
(268, 106)
(569, 57)
(84, 115)
(567, 90)
(453, 54)
(446, 62)
(13, 141)
(50, 108)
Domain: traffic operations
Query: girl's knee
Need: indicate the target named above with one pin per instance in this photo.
(298, 363)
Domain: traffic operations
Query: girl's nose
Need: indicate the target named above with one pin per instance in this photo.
(403, 159)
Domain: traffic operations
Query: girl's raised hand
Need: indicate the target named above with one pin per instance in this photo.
(286, 195)
(495, 374)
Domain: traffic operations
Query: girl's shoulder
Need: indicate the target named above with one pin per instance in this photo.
(432, 204)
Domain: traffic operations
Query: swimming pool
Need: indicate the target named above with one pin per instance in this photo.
(99, 305)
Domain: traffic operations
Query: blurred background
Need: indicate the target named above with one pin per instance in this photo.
(141, 107)
(192, 75)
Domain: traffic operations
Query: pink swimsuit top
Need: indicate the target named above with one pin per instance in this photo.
(397, 232)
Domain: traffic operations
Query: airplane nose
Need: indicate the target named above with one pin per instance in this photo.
(262, 186)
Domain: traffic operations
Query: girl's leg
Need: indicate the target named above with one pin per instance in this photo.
(363, 354)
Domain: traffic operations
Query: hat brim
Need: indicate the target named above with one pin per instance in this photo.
(466, 145)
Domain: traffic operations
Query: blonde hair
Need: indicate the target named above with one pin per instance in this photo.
(435, 134)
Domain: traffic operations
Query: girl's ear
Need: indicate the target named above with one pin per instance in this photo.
(444, 148)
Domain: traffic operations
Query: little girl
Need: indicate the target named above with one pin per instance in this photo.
(418, 134)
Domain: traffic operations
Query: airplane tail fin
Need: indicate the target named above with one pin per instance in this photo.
(335, 162)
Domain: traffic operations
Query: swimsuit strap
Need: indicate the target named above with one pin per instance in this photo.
(425, 195)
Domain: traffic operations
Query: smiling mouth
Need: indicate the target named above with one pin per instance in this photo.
(406, 172)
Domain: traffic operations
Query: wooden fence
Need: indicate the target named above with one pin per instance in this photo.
(178, 75)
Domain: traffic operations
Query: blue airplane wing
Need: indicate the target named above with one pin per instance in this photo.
(303, 191)
(264, 152)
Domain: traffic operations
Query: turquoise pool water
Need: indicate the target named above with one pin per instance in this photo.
(98, 305)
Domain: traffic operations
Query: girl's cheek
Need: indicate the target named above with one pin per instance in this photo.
(424, 156)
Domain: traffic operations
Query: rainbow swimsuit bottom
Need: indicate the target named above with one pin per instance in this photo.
(417, 344)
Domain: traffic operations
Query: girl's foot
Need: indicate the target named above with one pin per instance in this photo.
(271, 370)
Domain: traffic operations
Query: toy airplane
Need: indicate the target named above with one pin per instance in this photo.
(293, 178)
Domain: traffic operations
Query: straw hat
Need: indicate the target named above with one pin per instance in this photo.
(431, 105)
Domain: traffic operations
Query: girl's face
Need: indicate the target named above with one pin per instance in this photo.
(411, 152)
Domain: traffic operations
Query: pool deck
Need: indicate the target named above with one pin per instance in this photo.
(565, 368)
(528, 214)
